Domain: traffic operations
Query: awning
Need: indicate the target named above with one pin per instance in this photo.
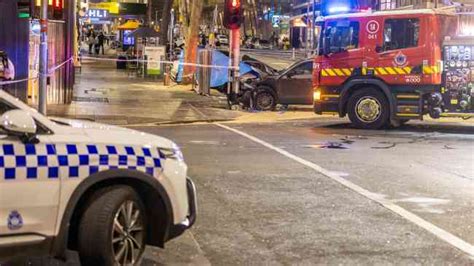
(129, 25)
(303, 20)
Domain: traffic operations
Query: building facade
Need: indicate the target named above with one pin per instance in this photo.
(19, 37)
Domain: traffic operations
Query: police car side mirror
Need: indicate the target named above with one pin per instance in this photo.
(19, 123)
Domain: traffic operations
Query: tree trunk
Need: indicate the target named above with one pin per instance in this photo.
(165, 16)
(192, 40)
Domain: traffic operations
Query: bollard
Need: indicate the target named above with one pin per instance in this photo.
(293, 55)
(204, 73)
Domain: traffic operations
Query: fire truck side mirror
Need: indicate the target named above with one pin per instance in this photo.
(378, 49)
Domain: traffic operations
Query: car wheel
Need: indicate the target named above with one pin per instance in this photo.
(368, 109)
(265, 101)
(112, 230)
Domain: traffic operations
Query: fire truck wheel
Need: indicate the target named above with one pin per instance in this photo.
(265, 100)
(368, 108)
(112, 228)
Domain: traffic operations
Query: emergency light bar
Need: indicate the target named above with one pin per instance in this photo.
(345, 6)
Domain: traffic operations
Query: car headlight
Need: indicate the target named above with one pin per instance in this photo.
(173, 153)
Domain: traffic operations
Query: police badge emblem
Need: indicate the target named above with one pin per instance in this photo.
(14, 221)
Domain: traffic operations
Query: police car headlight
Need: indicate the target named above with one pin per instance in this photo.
(173, 153)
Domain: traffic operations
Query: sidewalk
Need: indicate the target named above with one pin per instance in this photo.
(107, 95)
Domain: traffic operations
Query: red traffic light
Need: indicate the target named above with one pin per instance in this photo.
(235, 3)
(232, 14)
(58, 4)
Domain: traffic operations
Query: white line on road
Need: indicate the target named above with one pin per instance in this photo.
(433, 229)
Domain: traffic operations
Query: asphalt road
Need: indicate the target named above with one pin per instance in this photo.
(320, 192)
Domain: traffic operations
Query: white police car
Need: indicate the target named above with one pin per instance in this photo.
(102, 191)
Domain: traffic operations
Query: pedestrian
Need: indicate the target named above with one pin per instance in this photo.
(212, 40)
(275, 39)
(100, 43)
(91, 41)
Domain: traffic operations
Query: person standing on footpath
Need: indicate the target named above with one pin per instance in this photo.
(100, 42)
(91, 41)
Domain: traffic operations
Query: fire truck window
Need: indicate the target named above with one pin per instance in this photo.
(401, 33)
(341, 38)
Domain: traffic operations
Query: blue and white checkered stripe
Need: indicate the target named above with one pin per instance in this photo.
(51, 161)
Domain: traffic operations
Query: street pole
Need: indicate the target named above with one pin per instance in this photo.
(171, 33)
(313, 26)
(235, 42)
(43, 58)
(308, 29)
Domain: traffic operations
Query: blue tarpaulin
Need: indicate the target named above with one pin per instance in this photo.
(220, 76)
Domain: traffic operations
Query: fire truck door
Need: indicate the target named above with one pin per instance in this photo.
(401, 53)
(342, 51)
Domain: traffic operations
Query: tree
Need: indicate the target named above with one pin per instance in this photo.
(165, 20)
(192, 39)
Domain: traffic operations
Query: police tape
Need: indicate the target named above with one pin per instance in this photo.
(158, 61)
(52, 70)
(16, 81)
(50, 73)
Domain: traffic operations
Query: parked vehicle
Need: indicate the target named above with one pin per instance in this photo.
(222, 40)
(264, 44)
(100, 190)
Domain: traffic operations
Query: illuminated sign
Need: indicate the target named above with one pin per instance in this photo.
(98, 13)
(112, 8)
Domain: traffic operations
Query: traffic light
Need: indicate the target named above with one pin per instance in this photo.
(58, 9)
(24, 8)
(233, 14)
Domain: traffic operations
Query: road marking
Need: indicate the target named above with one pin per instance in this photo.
(433, 229)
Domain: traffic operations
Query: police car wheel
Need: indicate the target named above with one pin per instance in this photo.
(112, 230)
(265, 100)
(368, 109)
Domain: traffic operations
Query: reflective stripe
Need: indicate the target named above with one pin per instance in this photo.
(347, 71)
(324, 73)
(400, 70)
(390, 71)
(381, 71)
(427, 70)
(330, 72)
(338, 72)
(407, 69)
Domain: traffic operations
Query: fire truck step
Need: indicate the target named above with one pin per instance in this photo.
(408, 106)
(408, 96)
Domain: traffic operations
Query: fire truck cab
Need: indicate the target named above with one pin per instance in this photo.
(385, 68)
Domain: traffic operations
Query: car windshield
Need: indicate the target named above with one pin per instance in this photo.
(291, 66)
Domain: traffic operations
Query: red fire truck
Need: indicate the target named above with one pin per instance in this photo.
(385, 68)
